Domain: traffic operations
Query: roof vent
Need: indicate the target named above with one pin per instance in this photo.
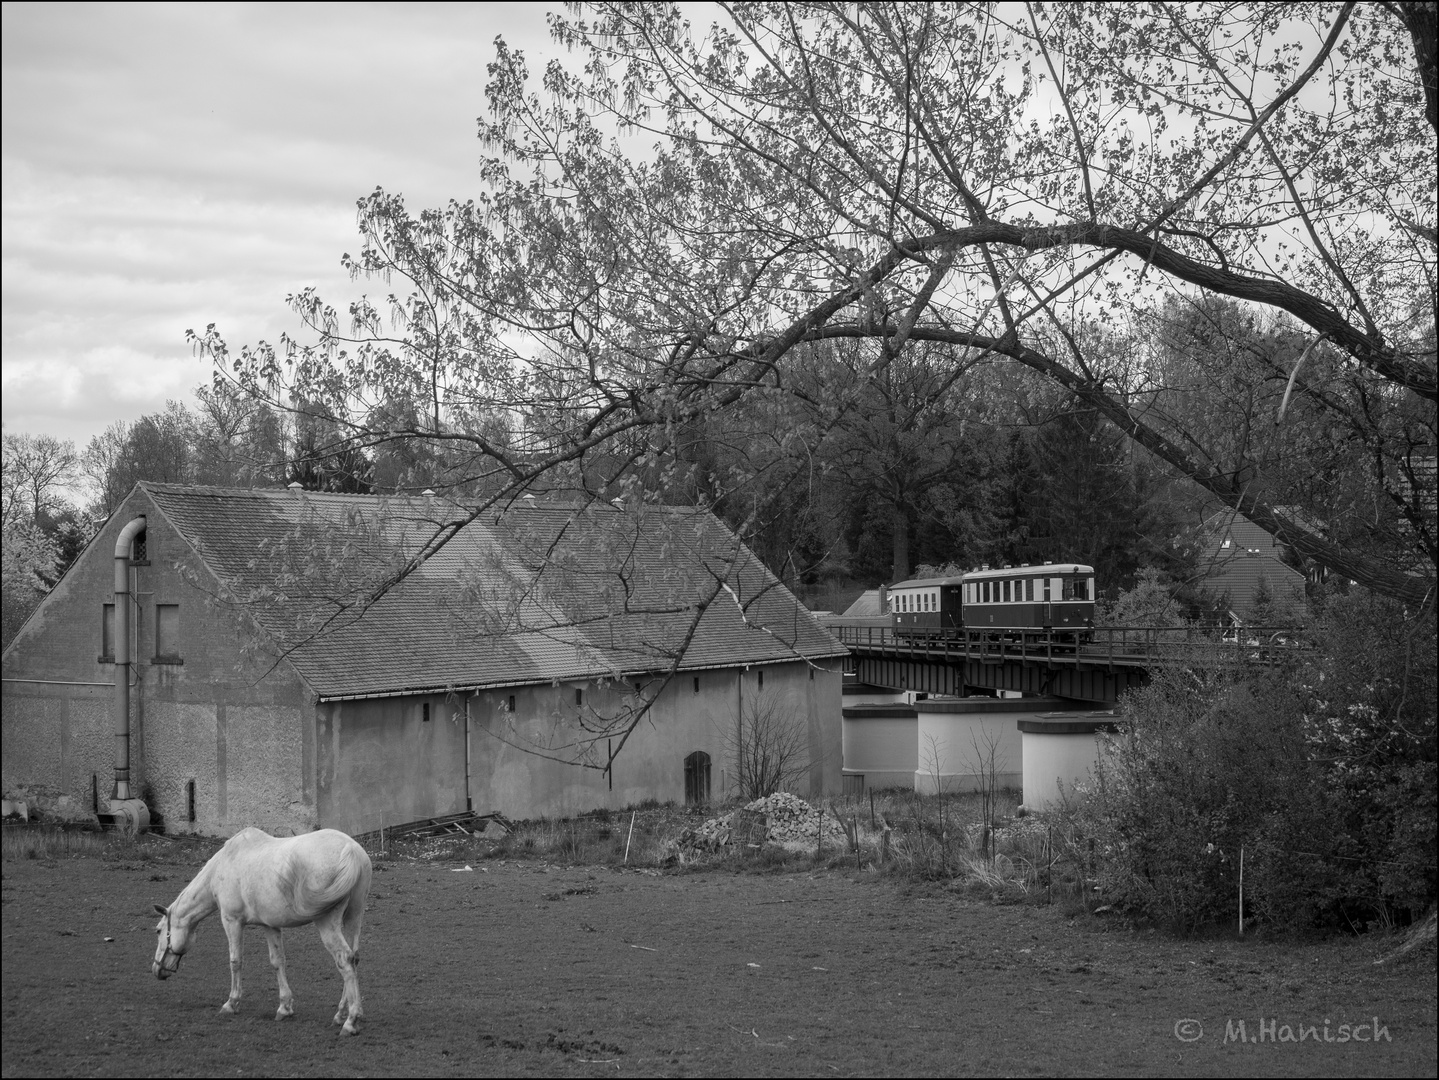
(428, 492)
(295, 485)
(618, 501)
(529, 498)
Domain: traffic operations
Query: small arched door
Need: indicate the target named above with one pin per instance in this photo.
(697, 778)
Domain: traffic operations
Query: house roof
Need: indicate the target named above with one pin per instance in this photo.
(867, 603)
(536, 592)
(1239, 555)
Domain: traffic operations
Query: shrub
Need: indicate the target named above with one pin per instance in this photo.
(1321, 774)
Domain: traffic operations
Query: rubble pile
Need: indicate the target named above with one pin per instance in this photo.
(782, 818)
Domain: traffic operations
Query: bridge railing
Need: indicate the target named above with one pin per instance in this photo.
(1126, 645)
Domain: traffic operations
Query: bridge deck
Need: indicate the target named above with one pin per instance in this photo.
(1112, 661)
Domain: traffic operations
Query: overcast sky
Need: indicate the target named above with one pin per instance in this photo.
(172, 165)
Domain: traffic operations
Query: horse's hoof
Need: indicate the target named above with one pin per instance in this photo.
(228, 1007)
(349, 1029)
(282, 1013)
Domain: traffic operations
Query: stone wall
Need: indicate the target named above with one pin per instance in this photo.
(237, 725)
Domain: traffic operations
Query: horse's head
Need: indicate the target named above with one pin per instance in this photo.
(172, 939)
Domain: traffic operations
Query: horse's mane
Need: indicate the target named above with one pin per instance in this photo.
(197, 899)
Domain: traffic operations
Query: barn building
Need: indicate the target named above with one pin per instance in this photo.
(545, 659)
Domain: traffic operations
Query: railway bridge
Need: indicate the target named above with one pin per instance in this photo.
(955, 662)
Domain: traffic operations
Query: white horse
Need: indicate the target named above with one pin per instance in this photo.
(261, 880)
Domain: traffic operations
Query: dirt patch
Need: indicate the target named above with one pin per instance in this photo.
(521, 968)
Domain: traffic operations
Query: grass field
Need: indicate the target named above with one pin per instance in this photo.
(524, 967)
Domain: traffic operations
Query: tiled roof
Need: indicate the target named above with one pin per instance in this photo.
(1240, 554)
(867, 603)
(537, 592)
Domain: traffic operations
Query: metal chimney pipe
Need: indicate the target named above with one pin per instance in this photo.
(122, 794)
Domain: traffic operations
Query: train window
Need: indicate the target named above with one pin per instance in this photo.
(1007, 595)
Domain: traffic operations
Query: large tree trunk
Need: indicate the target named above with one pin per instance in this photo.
(900, 535)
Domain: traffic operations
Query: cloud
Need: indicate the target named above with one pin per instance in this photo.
(168, 166)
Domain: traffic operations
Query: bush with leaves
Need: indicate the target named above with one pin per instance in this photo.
(1203, 761)
(1370, 710)
(1322, 774)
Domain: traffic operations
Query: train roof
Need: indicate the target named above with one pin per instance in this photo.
(1044, 569)
(926, 582)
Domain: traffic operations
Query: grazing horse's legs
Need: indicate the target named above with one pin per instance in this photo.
(349, 1009)
(277, 961)
(233, 929)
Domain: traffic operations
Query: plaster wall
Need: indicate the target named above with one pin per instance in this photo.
(382, 763)
(958, 749)
(881, 744)
(1055, 762)
(696, 711)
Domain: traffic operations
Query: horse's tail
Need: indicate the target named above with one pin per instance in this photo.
(357, 858)
(337, 875)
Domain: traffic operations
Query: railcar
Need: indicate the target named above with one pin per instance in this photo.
(1015, 599)
(1054, 596)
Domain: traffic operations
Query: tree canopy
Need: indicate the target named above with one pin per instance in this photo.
(674, 211)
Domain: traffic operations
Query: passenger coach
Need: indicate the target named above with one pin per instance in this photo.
(1055, 596)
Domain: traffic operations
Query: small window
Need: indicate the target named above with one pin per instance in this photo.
(579, 697)
(761, 678)
(512, 703)
(190, 800)
(1008, 593)
(697, 684)
(107, 633)
(167, 631)
(425, 713)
